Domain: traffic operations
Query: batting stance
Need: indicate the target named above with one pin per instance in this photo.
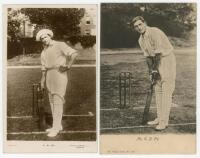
(155, 45)
(54, 74)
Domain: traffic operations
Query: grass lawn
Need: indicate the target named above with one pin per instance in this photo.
(184, 95)
(80, 100)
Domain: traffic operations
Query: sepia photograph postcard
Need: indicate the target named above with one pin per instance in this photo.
(49, 74)
(148, 78)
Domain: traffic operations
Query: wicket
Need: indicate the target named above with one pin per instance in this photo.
(125, 89)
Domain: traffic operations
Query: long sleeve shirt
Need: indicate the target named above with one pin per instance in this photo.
(155, 41)
(55, 55)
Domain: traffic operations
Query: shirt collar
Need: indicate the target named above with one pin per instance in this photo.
(51, 43)
(146, 32)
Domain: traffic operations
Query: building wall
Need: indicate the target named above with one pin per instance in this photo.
(27, 29)
(88, 22)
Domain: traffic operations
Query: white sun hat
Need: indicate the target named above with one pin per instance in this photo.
(44, 32)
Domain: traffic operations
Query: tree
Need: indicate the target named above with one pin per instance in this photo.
(15, 19)
(175, 19)
(14, 41)
(63, 21)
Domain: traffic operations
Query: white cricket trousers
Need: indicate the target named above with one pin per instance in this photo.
(163, 93)
(56, 103)
(164, 89)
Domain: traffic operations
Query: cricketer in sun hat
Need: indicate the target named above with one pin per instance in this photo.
(44, 32)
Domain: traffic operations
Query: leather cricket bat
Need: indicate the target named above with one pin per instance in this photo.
(147, 106)
(41, 111)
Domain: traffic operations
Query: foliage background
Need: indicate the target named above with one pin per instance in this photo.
(175, 19)
(64, 22)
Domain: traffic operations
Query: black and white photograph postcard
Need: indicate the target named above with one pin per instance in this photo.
(50, 78)
(148, 78)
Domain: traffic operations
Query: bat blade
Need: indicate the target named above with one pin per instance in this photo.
(147, 106)
(41, 111)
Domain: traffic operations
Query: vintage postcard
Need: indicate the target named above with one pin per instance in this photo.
(148, 78)
(49, 78)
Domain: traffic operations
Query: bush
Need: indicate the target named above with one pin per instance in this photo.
(32, 47)
(175, 19)
(86, 41)
(15, 48)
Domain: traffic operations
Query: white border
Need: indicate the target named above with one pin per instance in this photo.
(98, 2)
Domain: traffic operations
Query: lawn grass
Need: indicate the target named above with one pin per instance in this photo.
(81, 91)
(184, 95)
(80, 99)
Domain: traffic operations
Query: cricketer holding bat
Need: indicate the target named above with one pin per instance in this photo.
(54, 74)
(156, 45)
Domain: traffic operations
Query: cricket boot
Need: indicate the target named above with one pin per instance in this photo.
(154, 122)
(53, 133)
(51, 129)
(161, 126)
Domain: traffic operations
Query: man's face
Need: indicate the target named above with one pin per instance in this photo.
(140, 26)
(45, 39)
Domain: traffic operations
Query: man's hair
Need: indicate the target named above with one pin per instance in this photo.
(136, 19)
